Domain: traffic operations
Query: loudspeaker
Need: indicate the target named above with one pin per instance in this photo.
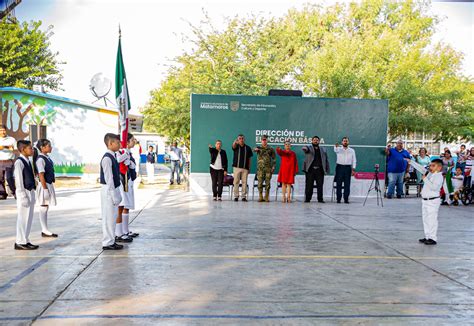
(284, 92)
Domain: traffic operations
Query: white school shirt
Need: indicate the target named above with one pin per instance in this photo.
(432, 185)
(108, 174)
(218, 163)
(41, 164)
(457, 181)
(6, 154)
(345, 156)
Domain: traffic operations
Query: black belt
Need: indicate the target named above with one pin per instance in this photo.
(430, 198)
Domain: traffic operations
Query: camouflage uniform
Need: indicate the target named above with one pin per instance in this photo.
(266, 161)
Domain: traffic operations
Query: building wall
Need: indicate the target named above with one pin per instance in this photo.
(75, 129)
(77, 136)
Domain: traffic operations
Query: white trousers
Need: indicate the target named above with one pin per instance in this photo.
(430, 210)
(150, 172)
(109, 215)
(128, 198)
(24, 218)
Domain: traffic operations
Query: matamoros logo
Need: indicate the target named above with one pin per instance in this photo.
(236, 106)
(214, 106)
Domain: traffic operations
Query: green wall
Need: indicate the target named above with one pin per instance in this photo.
(224, 117)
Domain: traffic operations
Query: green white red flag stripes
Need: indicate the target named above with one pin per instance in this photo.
(122, 98)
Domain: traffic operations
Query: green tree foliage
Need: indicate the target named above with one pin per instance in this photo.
(373, 49)
(26, 58)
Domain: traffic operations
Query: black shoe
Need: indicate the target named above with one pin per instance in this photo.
(346, 202)
(244, 199)
(456, 203)
(399, 196)
(3, 197)
(444, 203)
(179, 183)
(321, 201)
(32, 246)
(422, 240)
(133, 234)
(113, 247)
(338, 201)
(123, 239)
(214, 199)
(117, 246)
(44, 235)
(430, 242)
(22, 247)
(171, 183)
(236, 199)
(307, 200)
(219, 198)
(389, 197)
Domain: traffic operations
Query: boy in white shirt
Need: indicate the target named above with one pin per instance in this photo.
(431, 201)
(25, 185)
(457, 180)
(110, 193)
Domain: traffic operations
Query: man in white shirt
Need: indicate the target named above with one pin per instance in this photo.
(431, 201)
(345, 168)
(176, 158)
(7, 146)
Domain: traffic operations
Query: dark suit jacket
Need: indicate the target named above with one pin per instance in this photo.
(309, 158)
(214, 153)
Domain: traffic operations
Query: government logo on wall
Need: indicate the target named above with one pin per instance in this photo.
(234, 105)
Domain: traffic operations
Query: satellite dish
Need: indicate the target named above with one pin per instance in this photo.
(100, 86)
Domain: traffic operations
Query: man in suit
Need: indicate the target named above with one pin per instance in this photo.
(315, 166)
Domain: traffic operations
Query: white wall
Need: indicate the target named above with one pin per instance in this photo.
(77, 135)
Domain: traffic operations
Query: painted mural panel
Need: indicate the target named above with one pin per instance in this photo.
(75, 129)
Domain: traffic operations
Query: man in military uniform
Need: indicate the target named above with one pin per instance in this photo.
(266, 161)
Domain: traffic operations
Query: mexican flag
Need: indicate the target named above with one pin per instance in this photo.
(449, 184)
(123, 100)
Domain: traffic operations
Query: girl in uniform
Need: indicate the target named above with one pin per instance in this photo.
(45, 193)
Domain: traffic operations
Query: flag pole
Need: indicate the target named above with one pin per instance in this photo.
(123, 109)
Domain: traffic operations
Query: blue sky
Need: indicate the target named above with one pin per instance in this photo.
(85, 34)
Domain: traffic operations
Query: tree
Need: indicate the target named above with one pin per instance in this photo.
(373, 49)
(26, 58)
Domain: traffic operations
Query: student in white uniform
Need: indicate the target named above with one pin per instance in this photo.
(122, 232)
(45, 194)
(110, 193)
(431, 201)
(25, 193)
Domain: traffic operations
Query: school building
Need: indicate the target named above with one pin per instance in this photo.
(76, 129)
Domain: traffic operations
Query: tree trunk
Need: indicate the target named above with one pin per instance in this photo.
(19, 133)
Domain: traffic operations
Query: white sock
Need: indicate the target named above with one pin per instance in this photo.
(125, 223)
(43, 213)
(118, 229)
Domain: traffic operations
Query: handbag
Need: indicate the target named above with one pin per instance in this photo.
(228, 180)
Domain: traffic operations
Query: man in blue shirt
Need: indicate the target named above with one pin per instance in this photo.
(397, 167)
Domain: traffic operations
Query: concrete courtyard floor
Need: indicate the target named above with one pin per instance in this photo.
(203, 262)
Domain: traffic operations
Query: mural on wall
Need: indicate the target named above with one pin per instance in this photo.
(19, 111)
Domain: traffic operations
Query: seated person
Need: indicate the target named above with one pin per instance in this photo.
(457, 180)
